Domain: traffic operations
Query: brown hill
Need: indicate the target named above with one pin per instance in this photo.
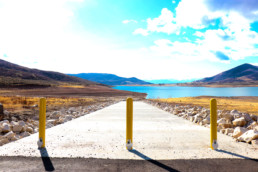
(12, 75)
(245, 73)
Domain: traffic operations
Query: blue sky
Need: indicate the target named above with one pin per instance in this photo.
(148, 39)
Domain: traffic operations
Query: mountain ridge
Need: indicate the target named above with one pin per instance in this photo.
(242, 73)
(15, 75)
(110, 79)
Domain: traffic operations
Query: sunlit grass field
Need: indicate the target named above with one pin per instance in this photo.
(242, 104)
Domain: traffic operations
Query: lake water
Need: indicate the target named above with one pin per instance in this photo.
(167, 92)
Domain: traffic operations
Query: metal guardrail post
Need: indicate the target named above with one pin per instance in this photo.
(213, 123)
(129, 123)
(42, 123)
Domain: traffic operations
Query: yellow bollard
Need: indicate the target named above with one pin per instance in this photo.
(213, 123)
(42, 123)
(129, 123)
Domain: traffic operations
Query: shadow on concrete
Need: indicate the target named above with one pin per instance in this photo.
(236, 155)
(157, 163)
(46, 160)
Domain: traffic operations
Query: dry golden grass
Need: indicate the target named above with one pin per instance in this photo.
(242, 104)
(72, 86)
(18, 103)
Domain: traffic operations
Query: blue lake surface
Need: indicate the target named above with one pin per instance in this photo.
(167, 92)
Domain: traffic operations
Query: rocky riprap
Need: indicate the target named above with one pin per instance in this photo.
(14, 127)
(241, 126)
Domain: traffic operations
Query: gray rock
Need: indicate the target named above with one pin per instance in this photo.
(6, 127)
(24, 134)
(247, 117)
(255, 143)
(239, 131)
(239, 122)
(9, 135)
(55, 115)
(248, 136)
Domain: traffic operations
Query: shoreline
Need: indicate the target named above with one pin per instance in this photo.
(186, 85)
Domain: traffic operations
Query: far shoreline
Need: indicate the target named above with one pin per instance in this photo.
(189, 85)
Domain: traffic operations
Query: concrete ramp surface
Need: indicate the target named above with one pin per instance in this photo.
(157, 135)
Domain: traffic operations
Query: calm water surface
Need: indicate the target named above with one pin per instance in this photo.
(166, 92)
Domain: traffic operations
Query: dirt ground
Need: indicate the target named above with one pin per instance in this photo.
(71, 92)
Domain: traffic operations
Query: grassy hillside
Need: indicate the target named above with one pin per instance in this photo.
(12, 75)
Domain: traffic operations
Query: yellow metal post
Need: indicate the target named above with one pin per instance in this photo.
(129, 123)
(213, 123)
(42, 122)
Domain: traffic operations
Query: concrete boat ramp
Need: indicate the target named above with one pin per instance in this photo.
(158, 136)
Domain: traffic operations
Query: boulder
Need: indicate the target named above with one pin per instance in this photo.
(9, 135)
(24, 134)
(55, 115)
(6, 127)
(221, 121)
(190, 114)
(51, 121)
(49, 125)
(61, 120)
(247, 117)
(239, 122)
(222, 131)
(3, 141)
(191, 118)
(255, 143)
(254, 117)
(17, 128)
(205, 121)
(16, 137)
(252, 126)
(229, 131)
(239, 131)
(226, 125)
(236, 114)
(22, 123)
(29, 129)
(248, 136)
(227, 116)
(197, 118)
(68, 117)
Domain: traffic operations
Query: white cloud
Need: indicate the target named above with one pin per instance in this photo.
(191, 13)
(141, 31)
(199, 34)
(129, 21)
(164, 23)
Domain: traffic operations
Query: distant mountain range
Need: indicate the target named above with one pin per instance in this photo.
(169, 81)
(245, 73)
(110, 79)
(12, 75)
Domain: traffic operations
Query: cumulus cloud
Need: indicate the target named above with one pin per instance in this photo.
(164, 23)
(199, 14)
(233, 41)
(141, 31)
(129, 21)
